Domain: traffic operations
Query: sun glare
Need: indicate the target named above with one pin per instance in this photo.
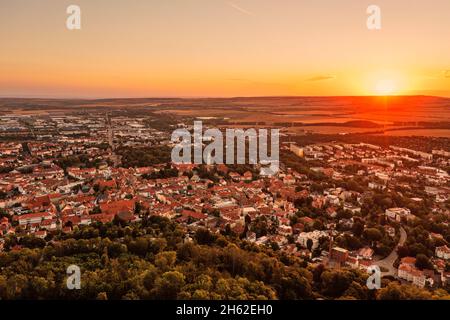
(385, 87)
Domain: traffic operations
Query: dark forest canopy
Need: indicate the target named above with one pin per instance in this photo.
(153, 260)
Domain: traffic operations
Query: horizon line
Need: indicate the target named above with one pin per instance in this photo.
(220, 97)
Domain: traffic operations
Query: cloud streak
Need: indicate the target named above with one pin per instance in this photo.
(321, 78)
(240, 9)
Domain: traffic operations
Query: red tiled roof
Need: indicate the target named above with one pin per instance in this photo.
(116, 207)
(102, 217)
(107, 184)
(408, 260)
(193, 214)
(43, 215)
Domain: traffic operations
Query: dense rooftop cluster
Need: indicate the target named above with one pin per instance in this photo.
(345, 206)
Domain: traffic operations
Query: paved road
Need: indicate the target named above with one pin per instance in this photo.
(388, 262)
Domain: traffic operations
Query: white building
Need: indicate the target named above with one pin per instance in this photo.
(33, 218)
(314, 236)
(397, 213)
(411, 274)
(443, 252)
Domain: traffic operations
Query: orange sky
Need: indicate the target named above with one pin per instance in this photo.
(154, 48)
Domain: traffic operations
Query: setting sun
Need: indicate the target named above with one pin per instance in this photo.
(385, 87)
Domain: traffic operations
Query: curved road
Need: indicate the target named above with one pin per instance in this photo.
(388, 262)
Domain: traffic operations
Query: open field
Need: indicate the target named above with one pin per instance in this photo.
(332, 115)
(419, 132)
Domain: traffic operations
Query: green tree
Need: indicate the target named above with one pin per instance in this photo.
(169, 285)
(309, 244)
(422, 262)
(165, 260)
(372, 234)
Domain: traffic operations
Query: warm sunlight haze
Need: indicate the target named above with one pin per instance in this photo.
(385, 87)
(222, 48)
(224, 159)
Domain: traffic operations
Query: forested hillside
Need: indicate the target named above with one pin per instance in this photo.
(154, 260)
